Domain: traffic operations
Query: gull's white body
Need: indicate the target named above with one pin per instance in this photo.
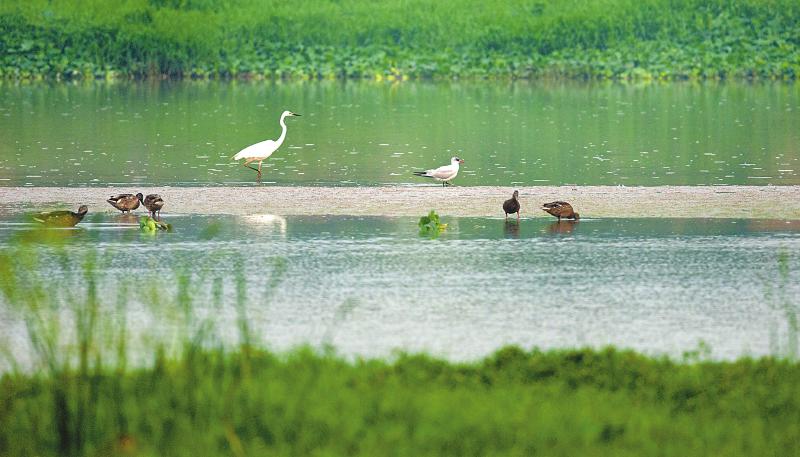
(444, 173)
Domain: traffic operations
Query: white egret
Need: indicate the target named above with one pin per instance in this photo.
(261, 151)
(444, 173)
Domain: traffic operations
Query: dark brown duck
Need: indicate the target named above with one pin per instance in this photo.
(153, 203)
(61, 218)
(125, 202)
(511, 205)
(561, 209)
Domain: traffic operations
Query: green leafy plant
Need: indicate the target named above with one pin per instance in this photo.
(149, 225)
(430, 225)
(395, 41)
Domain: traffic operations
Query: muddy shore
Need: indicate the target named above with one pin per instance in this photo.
(754, 202)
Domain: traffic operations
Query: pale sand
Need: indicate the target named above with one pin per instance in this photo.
(754, 202)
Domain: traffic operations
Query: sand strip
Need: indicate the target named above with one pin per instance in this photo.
(755, 202)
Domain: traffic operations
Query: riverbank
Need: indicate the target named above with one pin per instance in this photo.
(251, 402)
(449, 39)
(747, 202)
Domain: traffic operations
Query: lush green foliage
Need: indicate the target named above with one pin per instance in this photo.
(513, 403)
(659, 39)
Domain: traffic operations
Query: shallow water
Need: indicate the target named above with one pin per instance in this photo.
(369, 286)
(173, 133)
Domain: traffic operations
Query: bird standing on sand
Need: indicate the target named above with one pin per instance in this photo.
(511, 205)
(261, 151)
(561, 209)
(444, 173)
(61, 218)
(153, 203)
(125, 202)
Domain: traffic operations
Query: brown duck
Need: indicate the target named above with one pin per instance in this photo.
(511, 205)
(153, 203)
(561, 209)
(125, 202)
(61, 218)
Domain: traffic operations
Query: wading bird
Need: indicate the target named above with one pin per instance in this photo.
(561, 209)
(261, 151)
(61, 218)
(153, 203)
(444, 173)
(511, 205)
(125, 202)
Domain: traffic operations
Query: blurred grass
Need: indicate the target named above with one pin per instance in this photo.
(399, 39)
(81, 396)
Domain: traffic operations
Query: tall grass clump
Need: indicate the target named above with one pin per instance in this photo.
(84, 382)
(600, 39)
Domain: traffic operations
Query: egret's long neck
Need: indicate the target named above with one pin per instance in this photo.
(283, 132)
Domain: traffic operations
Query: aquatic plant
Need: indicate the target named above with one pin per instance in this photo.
(430, 225)
(149, 225)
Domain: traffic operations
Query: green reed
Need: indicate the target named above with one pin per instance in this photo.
(87, 390)
(401, 39)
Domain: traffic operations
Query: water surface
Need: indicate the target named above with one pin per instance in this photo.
(173, 133)
(371, 285)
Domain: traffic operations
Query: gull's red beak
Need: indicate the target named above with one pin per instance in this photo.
(460, 160)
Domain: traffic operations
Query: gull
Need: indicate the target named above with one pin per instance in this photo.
(444, 173)
(261, 151)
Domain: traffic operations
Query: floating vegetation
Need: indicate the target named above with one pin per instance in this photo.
(430, 225)
(149, 225)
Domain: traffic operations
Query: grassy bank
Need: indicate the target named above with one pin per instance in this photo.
(77, 391)
(250, 402)
(604, 39)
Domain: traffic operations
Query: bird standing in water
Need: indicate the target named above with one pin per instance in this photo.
(153, 203)
(125, 202)
(444, 173)
(511, 205)
(561, 209)
(61, 218)
(261, 151)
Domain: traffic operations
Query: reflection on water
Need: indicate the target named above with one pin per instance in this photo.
(562, 226)
(182, 133)
(369, 285)
(512, 229)
(267, 221)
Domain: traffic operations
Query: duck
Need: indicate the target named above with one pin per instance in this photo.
(511, 205)
(153, 203)
(125, 202)
(445, 173)
(61, 218)
(561, 209)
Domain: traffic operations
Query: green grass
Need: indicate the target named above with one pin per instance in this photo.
(80, 393)
(400, 39)
(251, 402)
